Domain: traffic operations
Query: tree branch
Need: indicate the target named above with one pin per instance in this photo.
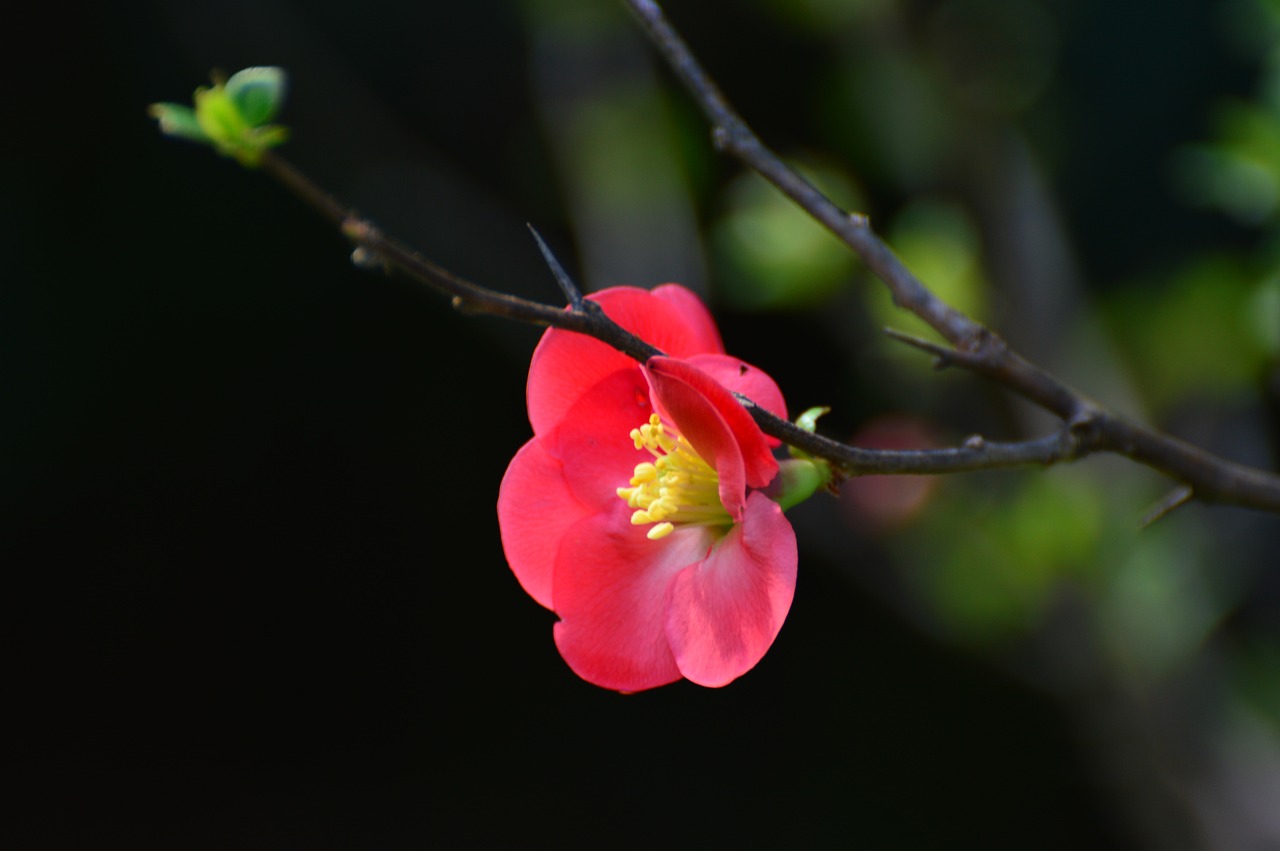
(375, 250)
(973, 346)
(1087, 427)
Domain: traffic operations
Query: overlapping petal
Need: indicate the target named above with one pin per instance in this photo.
(611, 589)
(703, 602)
(738, 376)
(532, 531)
(725, 611)
(711, 419)
(565, 364)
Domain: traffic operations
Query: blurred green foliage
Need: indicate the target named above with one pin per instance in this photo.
(773, 255)
(1200, 333)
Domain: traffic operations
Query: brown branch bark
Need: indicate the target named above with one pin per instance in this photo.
(1086, 426)
(973, 346)
(1074, 440)
(376, 250)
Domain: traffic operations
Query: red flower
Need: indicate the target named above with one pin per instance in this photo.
(636, 513)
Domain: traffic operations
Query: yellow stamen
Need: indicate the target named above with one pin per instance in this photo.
(677, 487)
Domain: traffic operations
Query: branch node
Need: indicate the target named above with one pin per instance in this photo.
(720, 138)
(359, 230)
(1084, 417)
(363, 258)
(975, 441)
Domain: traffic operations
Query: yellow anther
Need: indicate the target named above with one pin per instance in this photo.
(676, 487)
(662, 530)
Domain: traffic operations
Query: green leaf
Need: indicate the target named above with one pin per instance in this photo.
(219, 118)
(178, 121)
(257, 93)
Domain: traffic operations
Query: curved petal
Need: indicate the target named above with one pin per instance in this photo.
(738, 376)
(699, 421)
(536, 508)
(711, 419)
(726, 610)
(704, 336)
(593, 442)
(565, 364)
(611, 589)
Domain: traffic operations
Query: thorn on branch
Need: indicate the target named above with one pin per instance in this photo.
(943, 355)
(1171, 501)
(567, 286)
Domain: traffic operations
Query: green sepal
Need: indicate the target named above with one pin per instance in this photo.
(798, 479)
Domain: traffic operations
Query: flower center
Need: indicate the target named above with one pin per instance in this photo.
(676, 487)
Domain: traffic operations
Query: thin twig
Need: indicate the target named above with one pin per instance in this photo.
(973, 346)
(379, 251)
(1087, 427)
(468, 297)
(1091, 431)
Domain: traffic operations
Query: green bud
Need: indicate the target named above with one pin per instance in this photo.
(220, 119)
(809, 422)
(231, 116)
(798, 479)
(809, 419)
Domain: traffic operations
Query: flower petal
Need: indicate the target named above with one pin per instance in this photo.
(738, 376)
(719, 428)
(726, 610)
(699, 421)
(566, 364)
(536, 508)
(593, 442)
(611, 590)
(703, 334)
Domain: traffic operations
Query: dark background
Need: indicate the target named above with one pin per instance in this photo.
(248, 490)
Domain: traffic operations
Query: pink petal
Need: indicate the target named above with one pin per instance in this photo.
(566, 364)
(611, 587)
(712, 420)
(593, 442)
(726, 611)
(737, 376)
(573, 470)
(700, 422)
(536, 508)
(704, 336)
